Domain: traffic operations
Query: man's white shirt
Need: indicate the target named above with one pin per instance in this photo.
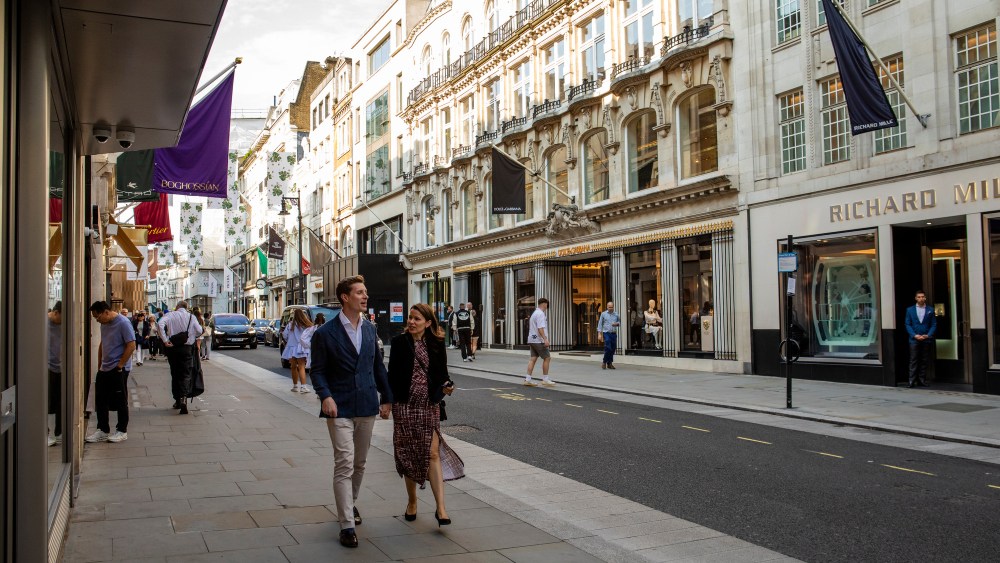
(176, 322)
(353, 333)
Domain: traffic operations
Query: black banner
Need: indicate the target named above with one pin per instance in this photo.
(275, 245)
(867, 103)
(134, 177)
(508, 185)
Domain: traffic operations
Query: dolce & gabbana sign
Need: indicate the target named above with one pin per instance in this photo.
(957, 195)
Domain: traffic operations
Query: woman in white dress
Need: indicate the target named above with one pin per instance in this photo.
(294, 352)
(307, 335)
(654, 323)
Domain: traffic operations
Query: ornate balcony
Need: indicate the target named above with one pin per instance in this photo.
(545, 107)
(440, 162)
(686, 37)
(512, 124)
(461, 151)
(632, 63)
(487, 137)
(587, 87)
(407, 177)
(421, 169)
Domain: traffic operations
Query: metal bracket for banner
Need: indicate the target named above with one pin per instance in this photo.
(210, 81)
(534, 174)
(921, 117)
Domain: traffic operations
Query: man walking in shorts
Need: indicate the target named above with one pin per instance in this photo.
(538, 341)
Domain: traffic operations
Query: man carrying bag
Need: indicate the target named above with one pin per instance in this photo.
(180, 330)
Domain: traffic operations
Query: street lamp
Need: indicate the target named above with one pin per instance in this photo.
(284, 213)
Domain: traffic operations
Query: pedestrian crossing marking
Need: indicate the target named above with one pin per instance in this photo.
(606, 412)
(695, 428)
(752, 440)
(993, 486)
(908, 470)
(650, 420)
(826, 454)
(572, 405)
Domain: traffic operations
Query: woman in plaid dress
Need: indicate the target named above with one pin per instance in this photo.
(418, 377)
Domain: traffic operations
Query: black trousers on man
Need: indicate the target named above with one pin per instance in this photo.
(179, 358)
(111, 393)
(465, 342)
(55, 400)
(920, 354)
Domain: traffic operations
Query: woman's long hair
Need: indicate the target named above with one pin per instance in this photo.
(196, 311)
(300, 318)
(320, 319)
(433, 332)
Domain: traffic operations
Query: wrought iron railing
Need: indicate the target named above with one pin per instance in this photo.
(407, 177)
(585, 88)
(422, 168)
(460, 151)
(440, 162)
(545, 107)
(686, 37)
(630, 64)
(512, 123)
(487, 137)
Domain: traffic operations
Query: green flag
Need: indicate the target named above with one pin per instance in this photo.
(134, 177)
(262, 260)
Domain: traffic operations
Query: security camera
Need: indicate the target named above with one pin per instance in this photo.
(405, 262)
(125, 139)
(102, 134)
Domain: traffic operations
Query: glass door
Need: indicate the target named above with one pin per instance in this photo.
(591, 293)
(948, 295)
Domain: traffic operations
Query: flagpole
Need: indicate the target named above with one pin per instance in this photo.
(921, 117)
(534, 174)
(208, 83)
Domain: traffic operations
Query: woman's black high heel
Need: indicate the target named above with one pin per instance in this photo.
(441, 521)
(409, 517)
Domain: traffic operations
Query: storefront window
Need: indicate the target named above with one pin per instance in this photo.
(596, 176)
(835, 306)
(994, 250)
(645, 298)
(524, 282)
(56, 399)
(643, 168)
(436, 295)
(697, 307)
(499, 284)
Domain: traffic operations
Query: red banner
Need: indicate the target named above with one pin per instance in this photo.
(55, 210)
(156, 214)
(306, 267)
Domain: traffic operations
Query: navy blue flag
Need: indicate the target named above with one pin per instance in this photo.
(508, 185)
(867, 103)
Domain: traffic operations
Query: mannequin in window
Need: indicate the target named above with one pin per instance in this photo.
(654, 323)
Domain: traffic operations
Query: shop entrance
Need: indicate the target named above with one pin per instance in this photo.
(591, 293)
(935, 260)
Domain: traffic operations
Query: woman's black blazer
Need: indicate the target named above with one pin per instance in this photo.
(401, 368)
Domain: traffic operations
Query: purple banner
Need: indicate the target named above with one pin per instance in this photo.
(200, 161)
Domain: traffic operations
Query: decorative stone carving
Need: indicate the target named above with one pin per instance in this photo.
(630, 97)
(567, 221)
(656, 103)
(715, 77)
(567, 141)
(686, 73)
(585, 118)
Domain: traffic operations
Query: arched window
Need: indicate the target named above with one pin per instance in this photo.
(643, 168)
(469, 212)
(445, 49)
(467, 33)
(425, 60)
(596, 168)
(697, 135)
(496, 221)
(555, 173)
(447, 219)
(492, 18)
(529, 194)
(430, 223)
(347, 242)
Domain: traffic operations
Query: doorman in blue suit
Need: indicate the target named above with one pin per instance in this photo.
(921, 326)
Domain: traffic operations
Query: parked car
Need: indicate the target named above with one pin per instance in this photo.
(261, 326)
(313, 310)
(232, 329)
(273, 333)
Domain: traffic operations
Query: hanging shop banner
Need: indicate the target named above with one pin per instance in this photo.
(156, 214)
(275, 245)
(198, 164)
(508, 185)
(134, 177)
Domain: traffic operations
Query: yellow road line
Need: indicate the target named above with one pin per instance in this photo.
(572, 405)
(650, 420)
(752, 440)
(693, 428)
(540, 399)
(993, 486)
(826, 454)
(606, 412)
(908, 470)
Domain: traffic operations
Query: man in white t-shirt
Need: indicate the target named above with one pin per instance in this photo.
(538, 341)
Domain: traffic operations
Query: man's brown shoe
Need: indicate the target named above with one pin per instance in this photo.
(348, 538)
(611, 366)
(604, 366)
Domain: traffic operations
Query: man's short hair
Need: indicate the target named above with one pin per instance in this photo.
(543, 300)
(345, 285)
(181, 305)
(57, 308)
(99, 307)
(919, 291)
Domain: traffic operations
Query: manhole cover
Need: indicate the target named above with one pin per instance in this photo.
(956, 407)
(459, 429)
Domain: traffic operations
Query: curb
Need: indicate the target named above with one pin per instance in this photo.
(940, 436)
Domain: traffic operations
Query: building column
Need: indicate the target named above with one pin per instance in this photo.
(723, 295)
(619, 294)
(552, 281)
(669, 270)
(486, 323)
(460, 288)
(510, 326)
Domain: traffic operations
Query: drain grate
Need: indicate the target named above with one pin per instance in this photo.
(459, 429)
(963, 408)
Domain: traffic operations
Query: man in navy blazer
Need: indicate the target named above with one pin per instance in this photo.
(920, 325)
(350, 378)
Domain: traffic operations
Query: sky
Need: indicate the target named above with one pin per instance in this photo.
(275, 45)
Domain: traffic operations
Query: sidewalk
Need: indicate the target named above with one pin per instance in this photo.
(246, 477)
(964, 418)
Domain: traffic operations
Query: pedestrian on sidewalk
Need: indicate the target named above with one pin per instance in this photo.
(921, 324)
(306, 340)
(206, 347)
(293, 352)
(54, 324)
(155, 342)
(462, 323)
(199, 345)
(538, 341)
(418, 377)
(111, 383)
(347, 369)
(476, 319)
(607, 332)
(179, 330)
(452, 335)
(142, 328)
